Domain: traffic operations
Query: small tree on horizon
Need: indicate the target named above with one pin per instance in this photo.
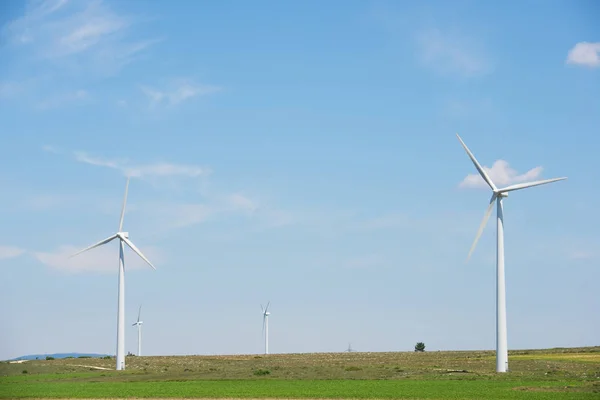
(420, 346)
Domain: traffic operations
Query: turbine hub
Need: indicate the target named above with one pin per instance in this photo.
(124, 234)
(267, 313)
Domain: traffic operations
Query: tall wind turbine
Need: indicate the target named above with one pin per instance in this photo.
(497, 196)
(266, 313)
(139, 325)
(123, 239)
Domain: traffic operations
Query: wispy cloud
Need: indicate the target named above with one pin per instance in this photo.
(102, 259)
(83, 33)
(10, 252)
(501, 174)
(240, 202)
(170, 215)
(182, 215)
(128, 168)
(177, 93)
(586, 54)
(452, 54)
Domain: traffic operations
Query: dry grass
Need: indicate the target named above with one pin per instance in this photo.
(572, 363)
(533, 374)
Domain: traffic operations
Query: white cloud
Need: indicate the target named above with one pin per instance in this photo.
(177, 93)
(241, 202)
(87, 32)
(10, 252)
(501, 174)
(165, 216)
(586, 54)
(449, 53)
(104, 259)
(160, 169)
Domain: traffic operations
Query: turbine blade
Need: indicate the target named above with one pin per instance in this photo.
(139, 313)
(100, 243)
(136, 250)
(267, 307)
(262, 309)
(264, 321)
(482, 172)
(486, 216)
(519, 186)
(123, 208)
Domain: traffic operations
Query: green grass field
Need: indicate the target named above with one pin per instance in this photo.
(534, 374)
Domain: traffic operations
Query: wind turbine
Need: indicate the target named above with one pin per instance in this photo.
(497, 196)
(266, 314)
(139, 325)
(123, 239)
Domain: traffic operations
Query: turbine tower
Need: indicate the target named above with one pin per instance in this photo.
(139, 325)
(497, 196)
(123, 239)
(266, 314)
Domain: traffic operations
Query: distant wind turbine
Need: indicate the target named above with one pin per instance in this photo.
(139, 326)
(497, 196)
(349, 350)
(123, 239)
(266, 314)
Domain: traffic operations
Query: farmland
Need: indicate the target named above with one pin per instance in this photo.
(572, 373)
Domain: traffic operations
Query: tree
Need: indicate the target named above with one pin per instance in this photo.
(420, 346)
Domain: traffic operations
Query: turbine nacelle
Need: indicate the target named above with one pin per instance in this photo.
(497, 193)
(123, 235)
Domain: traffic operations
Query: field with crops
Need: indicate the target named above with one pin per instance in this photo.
(572, 373)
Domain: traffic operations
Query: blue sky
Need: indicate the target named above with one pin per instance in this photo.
(302, 153)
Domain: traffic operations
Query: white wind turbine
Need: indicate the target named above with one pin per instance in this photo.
(139, 325)
(266, 314)
(123, 239)
(497, 196)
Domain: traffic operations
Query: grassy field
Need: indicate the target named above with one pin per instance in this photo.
(534, 374)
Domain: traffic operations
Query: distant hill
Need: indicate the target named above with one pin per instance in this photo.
(58, 355)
